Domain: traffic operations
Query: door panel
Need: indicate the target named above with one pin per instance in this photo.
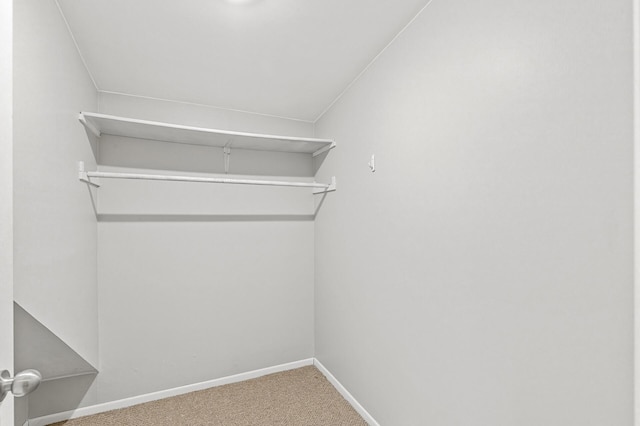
(6, 201)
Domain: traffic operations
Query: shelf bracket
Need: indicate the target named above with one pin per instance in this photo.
(324, 149)
(330, 188)
(83, 177)
(89, 126)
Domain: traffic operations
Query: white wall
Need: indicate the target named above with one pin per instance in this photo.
(483, 274)
(200, 281)
(55, 223)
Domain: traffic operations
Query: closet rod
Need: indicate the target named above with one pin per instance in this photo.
(110, 175)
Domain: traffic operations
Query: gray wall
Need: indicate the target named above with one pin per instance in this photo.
(483, 274)
(54, 221)
(200, 281)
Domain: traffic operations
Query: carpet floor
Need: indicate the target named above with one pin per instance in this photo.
(296, 397)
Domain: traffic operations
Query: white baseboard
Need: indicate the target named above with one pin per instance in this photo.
(345, 394)
(128, 402)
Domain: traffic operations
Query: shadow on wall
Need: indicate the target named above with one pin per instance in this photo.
(67, 376)
(155, 155)
(60, 395)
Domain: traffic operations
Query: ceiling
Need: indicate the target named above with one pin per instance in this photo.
(289, 58)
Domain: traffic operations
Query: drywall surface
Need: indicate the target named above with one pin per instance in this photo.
(189, 114)
(200, 281)
(55, 222)
(483, 274)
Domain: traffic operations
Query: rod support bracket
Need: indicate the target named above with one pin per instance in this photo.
(83, 177)
(330, 188)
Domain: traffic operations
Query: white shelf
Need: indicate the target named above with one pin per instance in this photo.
(99, 124)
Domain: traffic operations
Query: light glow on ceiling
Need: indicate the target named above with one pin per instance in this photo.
(241, 1)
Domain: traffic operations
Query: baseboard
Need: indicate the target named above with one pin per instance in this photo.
(345, 394)
(128, 402)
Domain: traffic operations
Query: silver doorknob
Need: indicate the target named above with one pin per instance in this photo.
(23, 384)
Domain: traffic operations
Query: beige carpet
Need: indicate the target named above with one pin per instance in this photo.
(297, 397)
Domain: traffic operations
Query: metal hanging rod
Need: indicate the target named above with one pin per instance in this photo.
(86, 177)
(109, 175)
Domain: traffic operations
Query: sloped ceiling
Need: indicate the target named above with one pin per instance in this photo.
(290, 58)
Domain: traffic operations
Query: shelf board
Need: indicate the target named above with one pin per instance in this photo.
(99, 124)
